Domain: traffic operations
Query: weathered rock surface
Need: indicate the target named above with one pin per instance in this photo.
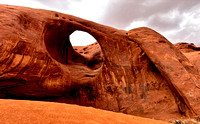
(174, 67)
(92, 52)
(136, 72)
(26, 112)
(187, 47)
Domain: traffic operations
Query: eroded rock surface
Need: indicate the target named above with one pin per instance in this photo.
(187, 47)
(136, 72)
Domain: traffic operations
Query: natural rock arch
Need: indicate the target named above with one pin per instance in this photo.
(38, 62)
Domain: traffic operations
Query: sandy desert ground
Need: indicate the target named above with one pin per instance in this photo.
(35, 112)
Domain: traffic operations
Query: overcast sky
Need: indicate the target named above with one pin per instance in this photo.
(177, 20)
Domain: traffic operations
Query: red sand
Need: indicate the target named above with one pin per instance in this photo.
(34, 112)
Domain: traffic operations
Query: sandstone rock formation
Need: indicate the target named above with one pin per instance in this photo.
(187, 47)
(137, 72)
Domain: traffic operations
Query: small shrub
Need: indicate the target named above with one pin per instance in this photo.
(178, 122)
(198, 118)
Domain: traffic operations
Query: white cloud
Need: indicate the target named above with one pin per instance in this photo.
(88, 9)
(189, 29)
(136, 24)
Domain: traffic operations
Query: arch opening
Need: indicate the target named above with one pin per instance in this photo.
(81, 38)
(57, 38)
(87, 46)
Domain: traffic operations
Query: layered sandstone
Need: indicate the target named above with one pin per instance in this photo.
(136, 72)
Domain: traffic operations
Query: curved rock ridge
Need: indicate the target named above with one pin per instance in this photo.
(174, 67)
(34, 112)
(136, 72)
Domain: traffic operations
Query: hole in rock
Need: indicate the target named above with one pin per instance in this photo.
(81, 38)
(87, 46)
(56, 15)
(71, 47)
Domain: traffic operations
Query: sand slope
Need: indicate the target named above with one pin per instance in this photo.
(34, 112)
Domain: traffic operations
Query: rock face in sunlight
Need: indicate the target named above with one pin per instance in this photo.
(136, 72)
